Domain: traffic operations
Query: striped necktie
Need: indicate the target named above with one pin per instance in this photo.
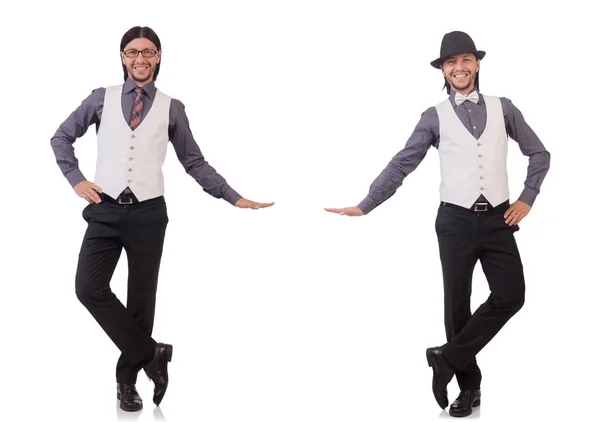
(136, 119)
(136, 116)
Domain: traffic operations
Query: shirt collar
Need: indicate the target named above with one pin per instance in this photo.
(130, 86)
(453, 94)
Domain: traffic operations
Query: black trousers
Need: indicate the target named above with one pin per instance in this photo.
(140, 230)
(465, 237)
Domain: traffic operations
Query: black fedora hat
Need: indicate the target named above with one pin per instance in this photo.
(456, 42)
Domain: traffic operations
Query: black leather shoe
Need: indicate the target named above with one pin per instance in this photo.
(465, 402)
(129, 399)
(156, 370)
(442, 375)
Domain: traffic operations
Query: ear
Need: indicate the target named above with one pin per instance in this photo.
(122, 57)
(442, 70)
(159, 56)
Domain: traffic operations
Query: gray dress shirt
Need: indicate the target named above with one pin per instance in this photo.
(474, 117)
(186, 148)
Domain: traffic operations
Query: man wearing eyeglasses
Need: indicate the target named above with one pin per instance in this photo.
(134, 123)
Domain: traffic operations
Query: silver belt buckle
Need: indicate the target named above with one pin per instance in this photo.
(125, 201)
(480, 207)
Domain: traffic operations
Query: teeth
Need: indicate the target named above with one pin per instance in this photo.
(460, 76)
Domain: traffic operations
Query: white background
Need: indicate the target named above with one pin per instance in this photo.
(291, 313)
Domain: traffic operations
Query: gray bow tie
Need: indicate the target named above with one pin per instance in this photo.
(460, 98)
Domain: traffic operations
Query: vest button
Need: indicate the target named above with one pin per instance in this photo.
(132, 135)
(130, 170)
(480, 155)
(129, 180)
(131, 147)
(130, 158)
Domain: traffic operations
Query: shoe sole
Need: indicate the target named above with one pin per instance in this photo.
(443, 401)
(429, 355)
(169, 353)
(169, 356)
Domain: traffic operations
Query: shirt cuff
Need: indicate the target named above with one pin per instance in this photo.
(367, 205)
(528, 196)
(231, 196)
(75, 177)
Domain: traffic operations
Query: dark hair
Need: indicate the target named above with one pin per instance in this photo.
(447, 85)
(140, 32)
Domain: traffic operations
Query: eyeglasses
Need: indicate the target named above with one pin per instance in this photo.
(132, 54)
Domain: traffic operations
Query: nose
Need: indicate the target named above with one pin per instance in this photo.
(461, 65)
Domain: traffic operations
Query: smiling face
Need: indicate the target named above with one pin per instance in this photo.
(139, 68)
(460, 71)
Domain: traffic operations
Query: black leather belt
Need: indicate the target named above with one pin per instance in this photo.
(480, 207)
(123, 199)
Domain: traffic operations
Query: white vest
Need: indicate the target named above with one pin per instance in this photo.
(132, 158)
(471, 167)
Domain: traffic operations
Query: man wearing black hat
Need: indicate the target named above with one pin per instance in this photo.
(475, 220)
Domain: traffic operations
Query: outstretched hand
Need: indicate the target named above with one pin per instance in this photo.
(349, 211)
(246, 203)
